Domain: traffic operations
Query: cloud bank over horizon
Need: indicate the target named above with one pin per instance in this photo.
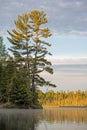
(67, 60)
(67, 77)
(65, 17)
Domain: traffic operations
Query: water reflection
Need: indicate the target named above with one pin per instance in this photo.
(66, 114)
(19, 119)
(15, 119)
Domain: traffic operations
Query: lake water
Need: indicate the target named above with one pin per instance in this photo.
(67, 77)
(46, 119)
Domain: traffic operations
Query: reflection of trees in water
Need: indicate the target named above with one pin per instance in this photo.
(63, 114)
(30, 119)
(20, 120)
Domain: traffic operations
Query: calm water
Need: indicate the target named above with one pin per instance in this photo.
(46, 119)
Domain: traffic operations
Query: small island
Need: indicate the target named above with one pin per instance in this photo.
(21, 67)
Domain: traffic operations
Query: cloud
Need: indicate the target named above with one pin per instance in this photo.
(64, 16)
(70, 4)
(67, 60)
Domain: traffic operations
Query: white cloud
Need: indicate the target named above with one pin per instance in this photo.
(67, 60)
(64, 16)
(70, 4)
(69, 33)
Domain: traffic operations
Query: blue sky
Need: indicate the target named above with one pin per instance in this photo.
(72, 46)
(67, 20)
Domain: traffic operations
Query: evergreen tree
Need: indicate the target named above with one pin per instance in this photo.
(39, 61)
(20, 93)
(30, 50)
(3, 52)
(3, 82)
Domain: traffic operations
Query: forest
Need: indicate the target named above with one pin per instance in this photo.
(63, 99)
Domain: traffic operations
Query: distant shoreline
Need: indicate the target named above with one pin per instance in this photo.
(64, 106)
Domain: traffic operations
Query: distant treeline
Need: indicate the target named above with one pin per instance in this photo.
(62, 98)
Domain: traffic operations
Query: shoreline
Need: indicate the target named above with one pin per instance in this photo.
(64, 107)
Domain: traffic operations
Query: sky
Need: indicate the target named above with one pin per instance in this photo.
(67, 21)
